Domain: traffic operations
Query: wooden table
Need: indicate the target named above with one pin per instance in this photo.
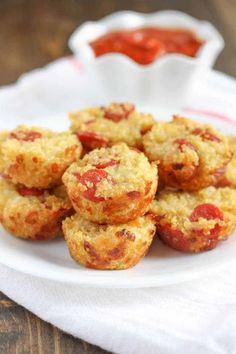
(33, 33)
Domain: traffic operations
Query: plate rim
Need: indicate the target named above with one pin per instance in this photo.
(123, 283)
(83, 280)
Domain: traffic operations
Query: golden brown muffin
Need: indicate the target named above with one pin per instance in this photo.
(191, 155)
(111, 185)
(194, 222)
(108, 246)
(33, 214)
(37, 157)
(106, 126)
(229, 177)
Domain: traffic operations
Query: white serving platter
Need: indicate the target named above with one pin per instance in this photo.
(43, 98)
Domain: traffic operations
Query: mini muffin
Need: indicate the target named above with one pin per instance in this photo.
(33, 214)
(108, 246)
(106, 126)
(192, 156)
(194, 222)
(111, 185)
(3, 135)
(37, 157)
(229, 177)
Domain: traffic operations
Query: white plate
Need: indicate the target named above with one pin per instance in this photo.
(162, 266)
(44, 98)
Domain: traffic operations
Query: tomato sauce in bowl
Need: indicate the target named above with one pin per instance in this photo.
(145, 45)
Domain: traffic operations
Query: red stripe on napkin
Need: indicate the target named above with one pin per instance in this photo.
(212, 114)
(75, 62)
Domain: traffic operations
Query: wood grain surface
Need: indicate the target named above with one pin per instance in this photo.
(35, 32)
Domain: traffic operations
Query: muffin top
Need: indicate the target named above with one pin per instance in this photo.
(203, 145)
(229, 177)
(199, 210)
(37, 140)
(105, 126)
(20, 195)
(109, 172)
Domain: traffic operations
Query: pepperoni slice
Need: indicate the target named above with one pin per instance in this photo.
(182, 143)
(176, 239)
(92, 140)
(118, 111)
(107, 164)
(173, 237)
(90, 179)
(206, 135)
(25, 135)
(212, 235)
(30, 192)
(207, 211)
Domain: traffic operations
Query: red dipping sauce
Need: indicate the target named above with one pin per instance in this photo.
(144, 45)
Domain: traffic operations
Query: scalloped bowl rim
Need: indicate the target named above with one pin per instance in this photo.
(124, 59)
(78, 42)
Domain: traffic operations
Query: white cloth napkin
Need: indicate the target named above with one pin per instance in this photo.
(194, 317)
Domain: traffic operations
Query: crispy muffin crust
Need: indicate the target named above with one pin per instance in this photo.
(106, 126)
(108, 246)
(33, 214)
(191, 155)
(194, 222)
(229, 178)
(37, 157)
(111, 185)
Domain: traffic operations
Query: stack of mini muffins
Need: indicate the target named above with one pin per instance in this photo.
(33, 200)
(111, 189)
(196, 205)
(136, 176)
